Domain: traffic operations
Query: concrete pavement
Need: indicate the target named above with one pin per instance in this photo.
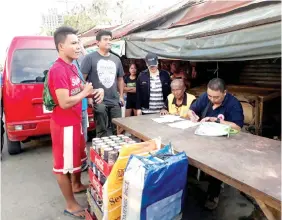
(29, 188)
(30, 192)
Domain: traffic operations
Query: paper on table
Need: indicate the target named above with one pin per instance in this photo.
(167, 118)
(212, 129)
(184, 124)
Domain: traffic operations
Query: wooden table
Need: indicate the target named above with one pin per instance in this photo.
(250, 163)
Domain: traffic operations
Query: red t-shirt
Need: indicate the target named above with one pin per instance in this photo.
(65, 76)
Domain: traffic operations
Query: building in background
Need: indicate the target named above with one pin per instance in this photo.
(52, 19)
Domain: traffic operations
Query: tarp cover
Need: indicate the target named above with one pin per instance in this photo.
(246, 35)
(118, 47)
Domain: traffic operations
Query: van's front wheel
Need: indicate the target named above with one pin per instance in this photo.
(14, 147)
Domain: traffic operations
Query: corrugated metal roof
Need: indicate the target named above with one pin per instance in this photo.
(182, 13)
(243, 34)
(93, 31)
(148, 19)
(209, 8)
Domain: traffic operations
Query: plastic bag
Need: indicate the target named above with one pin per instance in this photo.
(112, 189)
(153, 188)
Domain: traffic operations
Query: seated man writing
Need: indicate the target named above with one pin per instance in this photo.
(178, 103)
(217, 105)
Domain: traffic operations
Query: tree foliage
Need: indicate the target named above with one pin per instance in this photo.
(79, 19)
(84, 17)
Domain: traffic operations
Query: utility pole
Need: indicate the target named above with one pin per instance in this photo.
(67, 5)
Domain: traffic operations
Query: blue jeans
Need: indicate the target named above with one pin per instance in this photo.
(84, 124)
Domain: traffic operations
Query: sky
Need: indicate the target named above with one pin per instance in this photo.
(23, 17)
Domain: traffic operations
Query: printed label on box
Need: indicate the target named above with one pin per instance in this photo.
(104, 167)
(95, 182)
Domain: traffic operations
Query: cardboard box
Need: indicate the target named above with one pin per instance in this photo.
(93, 205)
(104, 167)
(95, 183)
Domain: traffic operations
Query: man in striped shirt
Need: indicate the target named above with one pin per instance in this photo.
(152, 88)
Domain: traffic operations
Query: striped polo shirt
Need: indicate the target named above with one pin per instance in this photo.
(156, 96)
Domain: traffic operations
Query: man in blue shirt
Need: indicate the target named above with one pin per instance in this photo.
(217, 105)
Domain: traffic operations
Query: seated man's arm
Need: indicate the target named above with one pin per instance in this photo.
(196, 108)
(231, 124)
(165, 109)
(235, 117)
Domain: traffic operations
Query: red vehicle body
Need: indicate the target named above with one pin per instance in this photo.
(25, 116)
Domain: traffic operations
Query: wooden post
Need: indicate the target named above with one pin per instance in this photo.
(260, 115)
(270, 213)
(257, 116)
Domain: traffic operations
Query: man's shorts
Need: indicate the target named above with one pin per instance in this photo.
(68, 147)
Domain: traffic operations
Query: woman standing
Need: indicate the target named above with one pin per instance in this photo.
(130, 89)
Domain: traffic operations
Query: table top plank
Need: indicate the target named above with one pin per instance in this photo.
(251, 160)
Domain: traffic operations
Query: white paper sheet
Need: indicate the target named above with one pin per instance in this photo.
(184, 124)
(212, 129)
(167, 118)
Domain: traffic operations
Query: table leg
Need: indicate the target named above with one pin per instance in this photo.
(257, 116)
(270, 213)
(260, 116)
(119, 130)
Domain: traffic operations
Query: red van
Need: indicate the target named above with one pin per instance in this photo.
(25, 116)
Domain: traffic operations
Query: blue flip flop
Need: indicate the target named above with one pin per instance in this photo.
(72, 214)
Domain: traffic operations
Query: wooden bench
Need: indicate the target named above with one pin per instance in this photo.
(250, 163)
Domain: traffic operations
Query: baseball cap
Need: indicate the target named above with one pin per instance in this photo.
(151, 59)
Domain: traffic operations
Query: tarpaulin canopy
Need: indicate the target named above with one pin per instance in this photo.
(118, 47)
(253, 32)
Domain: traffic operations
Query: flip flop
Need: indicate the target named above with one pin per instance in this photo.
(72, 214)
(82, 191)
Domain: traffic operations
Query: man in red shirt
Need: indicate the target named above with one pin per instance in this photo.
(68, 143)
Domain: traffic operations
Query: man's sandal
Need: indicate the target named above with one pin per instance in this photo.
(73, 214)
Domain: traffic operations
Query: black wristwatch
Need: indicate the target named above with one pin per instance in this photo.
(217, 120)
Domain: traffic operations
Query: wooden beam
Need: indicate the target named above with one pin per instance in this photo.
(270, 214)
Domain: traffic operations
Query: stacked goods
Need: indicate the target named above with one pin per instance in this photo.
(112, 189)
(153, 186)
(103, 154)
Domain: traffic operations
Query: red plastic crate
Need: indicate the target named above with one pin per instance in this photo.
(95, 183)
(100, 163)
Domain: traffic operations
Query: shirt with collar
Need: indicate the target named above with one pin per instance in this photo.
(188, 99)
(230, 110)
(143, 88)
